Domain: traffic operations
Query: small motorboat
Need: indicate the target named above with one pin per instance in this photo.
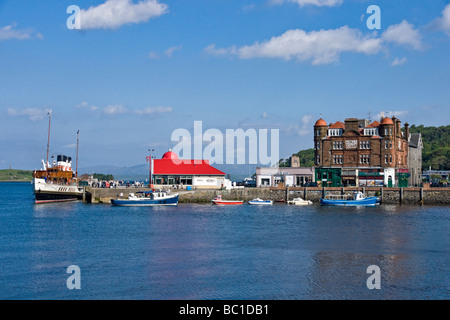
(356, 199)
(147, 198)
(218, 200)
(300, 202)
(259, 201)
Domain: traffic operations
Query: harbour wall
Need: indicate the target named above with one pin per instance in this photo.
(388, 195)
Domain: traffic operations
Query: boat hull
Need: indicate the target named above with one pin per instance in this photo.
(227, 202)
(46, 193)
(300, 203)
(371, 201)
(260, 202)
(172, 201)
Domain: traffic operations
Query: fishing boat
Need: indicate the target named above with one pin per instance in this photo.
(259, 201)
(300, 202)
(56, 182)
(147, 198)
(356, 199)
(219, 201)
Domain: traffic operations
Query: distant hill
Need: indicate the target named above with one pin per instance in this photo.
(306, 159)
(436, 146)
(16, 175)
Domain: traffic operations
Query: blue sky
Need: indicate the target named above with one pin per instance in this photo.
(138, 70)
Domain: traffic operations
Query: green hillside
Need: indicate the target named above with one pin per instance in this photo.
(306, 159)
(436, 146)
(16, 175)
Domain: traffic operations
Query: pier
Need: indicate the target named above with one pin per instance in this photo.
(418, 196)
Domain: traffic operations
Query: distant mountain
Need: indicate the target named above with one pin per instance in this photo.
(137, 172)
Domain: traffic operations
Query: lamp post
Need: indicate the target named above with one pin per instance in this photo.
(149, 159)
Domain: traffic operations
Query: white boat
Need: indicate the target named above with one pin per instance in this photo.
(57, 181)
(147, 198)
(300, 202)
(259, 201)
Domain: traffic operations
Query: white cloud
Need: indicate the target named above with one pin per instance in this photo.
(390, 114)
(154, 110)
(167, 53)
(33, 114)
(443, 23)
(398, 62)
(114, 13)
(10, 32)
(319, 47)
(303, 129)
(324, 46)
(115, 109)
(319, 3)
(404, 34)
(85, 105)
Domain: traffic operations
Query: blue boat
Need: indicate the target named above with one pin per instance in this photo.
(147, 198)
(357, 199)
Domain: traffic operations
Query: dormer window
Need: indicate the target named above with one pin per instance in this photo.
(335, 132)
(371, 131)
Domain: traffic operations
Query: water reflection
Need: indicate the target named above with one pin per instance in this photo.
(210, 252)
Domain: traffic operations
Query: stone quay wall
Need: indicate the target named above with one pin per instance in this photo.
(388, 195)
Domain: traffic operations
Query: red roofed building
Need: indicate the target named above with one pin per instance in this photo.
(170, 170)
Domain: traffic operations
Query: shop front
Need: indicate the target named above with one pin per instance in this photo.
(371, 177)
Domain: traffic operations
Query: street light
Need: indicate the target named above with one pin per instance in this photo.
(149, 159)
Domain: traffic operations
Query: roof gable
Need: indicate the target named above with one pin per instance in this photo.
(184, 167)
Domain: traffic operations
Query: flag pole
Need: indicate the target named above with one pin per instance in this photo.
(48, 139)
(76, 168)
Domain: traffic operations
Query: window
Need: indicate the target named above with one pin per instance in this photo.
(364, 145)
(338, 145)
(334, 132)
(371, 132)
(386, 159)
(390, 158)
(364, 159)
(337, 159)
(318, 160)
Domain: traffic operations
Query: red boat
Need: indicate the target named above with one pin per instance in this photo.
(218, 200)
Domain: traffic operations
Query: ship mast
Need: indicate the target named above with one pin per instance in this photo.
(76, 166)
(48, 140)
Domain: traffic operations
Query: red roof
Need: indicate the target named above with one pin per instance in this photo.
(374, 124)
(170, 155)
(320, 123)
(387, 121)
(337, 125)
(167, 166)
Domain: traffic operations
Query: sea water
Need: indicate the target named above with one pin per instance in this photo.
(202, 251)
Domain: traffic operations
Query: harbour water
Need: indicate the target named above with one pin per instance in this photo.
(201, 251)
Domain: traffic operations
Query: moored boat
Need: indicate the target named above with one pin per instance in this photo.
(300, 202)
(259, 201)
(147, 198)
(56, 182)
(356, 199)
(219, 201)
